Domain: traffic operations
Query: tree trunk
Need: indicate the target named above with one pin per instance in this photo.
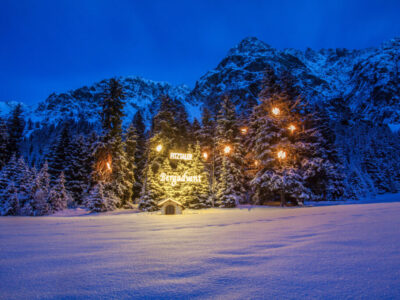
(283, 201)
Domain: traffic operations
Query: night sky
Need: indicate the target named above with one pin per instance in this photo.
(56, 45)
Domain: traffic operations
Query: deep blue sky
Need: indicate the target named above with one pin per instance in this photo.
(56, 45)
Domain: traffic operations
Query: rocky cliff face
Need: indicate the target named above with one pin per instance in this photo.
(85, 102)
(367, 79)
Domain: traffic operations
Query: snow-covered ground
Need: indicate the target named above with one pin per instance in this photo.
(324, 252)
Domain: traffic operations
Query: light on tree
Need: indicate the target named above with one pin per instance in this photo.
(227, 149)
(108, 166)
(244, 130)
(281, 154)
(205, 155)
(256, 163)
(159, 148)
(292, 128)
(276, 111)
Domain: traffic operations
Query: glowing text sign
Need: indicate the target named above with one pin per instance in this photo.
(174, 179)
(181, 156)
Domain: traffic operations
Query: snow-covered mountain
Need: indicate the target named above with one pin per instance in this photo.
(359, 88)
(368, 79)
(84, 102)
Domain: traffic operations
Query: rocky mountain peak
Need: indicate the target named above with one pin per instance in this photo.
(250, 46)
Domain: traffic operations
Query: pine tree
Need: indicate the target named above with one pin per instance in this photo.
(270, 84)
(140, 160)
(15, 126)
(40, 192)
(10, 206)
(59, 157)
(327, 183)
(206, 134)
(152, 191)
(111, 162)
(58, 196)
(226, 195)
(25, 194)
(130, 150)
(112, 108)
(100, 198)
(288, 149)
(4, 140)
(199, 193)
(8, 174)
(165, 137)
(79, 168)
(228, 144)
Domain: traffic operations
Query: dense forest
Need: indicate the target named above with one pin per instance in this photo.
(284, 151)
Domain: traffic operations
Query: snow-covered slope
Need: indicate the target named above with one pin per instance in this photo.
(85, 101)
(332, 252)
(7, 106)
(367, 79)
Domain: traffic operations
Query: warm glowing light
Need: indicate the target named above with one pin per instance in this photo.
(159, 148)
(276, 111)
(244, 130)
(256, 163)
(181, 156)
(108, 166)
(281, 154)
(292, 128)
(174, 179)
(205, 155)
(227, 149)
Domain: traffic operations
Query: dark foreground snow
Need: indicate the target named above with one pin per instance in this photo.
(330, 252)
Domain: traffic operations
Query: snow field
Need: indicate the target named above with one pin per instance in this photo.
(329, 252)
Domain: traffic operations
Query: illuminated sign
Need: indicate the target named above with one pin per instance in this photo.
(181, 156)
(174, 179)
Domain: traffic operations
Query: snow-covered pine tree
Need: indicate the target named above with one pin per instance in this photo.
(100, 198)
(327, 183)
(206, 134)
(111, 164)
(199, 193)
(8, 174)
(58, 196)
(288, 149)
(78, 169)
(165, 137)
(40, 192)
(164, 189)
(10, 207)
(140, 157)
(270, 84)
(228, 144)
(151, 192)
(3, 143)
(25, 193)
(130, 151)
(226, 195)
(59, 153)
(15, 125)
